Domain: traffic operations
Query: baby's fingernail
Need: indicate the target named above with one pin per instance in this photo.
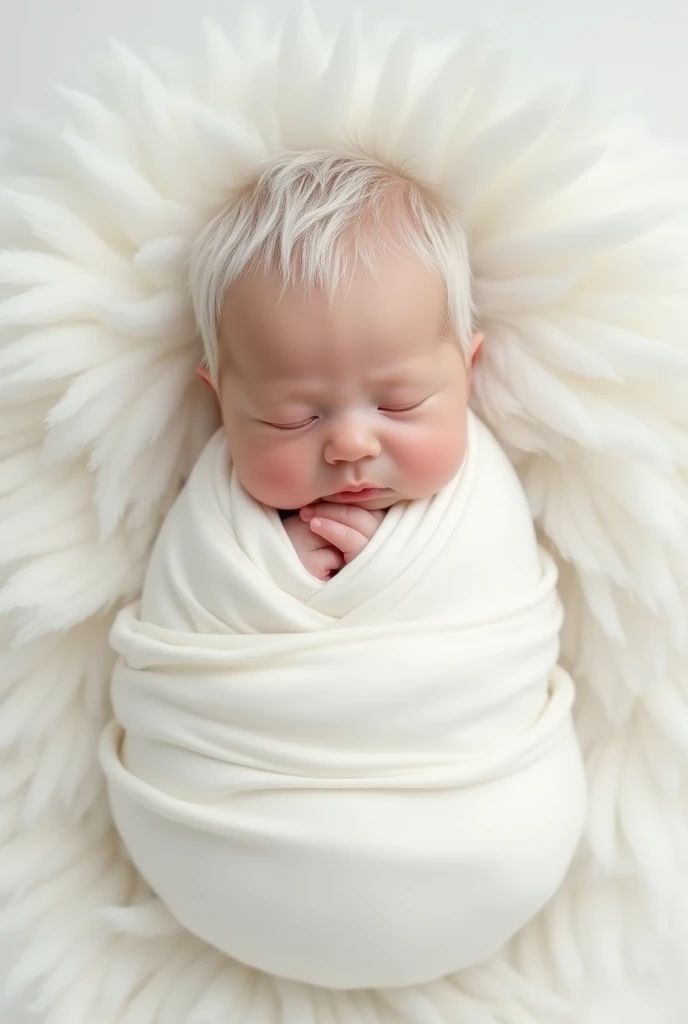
(316, 523)
(307, 512)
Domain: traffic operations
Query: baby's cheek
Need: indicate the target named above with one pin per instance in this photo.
(431, 458)
(272, 475)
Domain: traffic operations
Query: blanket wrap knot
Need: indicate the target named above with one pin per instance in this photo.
(368, 782)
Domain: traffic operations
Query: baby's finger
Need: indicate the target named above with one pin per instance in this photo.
(325, 562)
(348, 540)
(359, 519)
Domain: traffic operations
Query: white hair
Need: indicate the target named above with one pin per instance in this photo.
(314, 217)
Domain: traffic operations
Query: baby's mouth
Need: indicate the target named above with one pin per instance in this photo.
(356, 493)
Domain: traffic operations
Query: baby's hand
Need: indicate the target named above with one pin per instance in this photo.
(320, 558)
(347, 528)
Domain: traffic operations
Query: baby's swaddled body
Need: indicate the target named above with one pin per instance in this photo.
(368, 782)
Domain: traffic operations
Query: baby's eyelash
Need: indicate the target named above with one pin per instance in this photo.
(401, 408)
(291, 426)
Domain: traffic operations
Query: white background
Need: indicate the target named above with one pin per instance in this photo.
(635, 48)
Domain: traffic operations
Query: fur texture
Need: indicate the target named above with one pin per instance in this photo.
(580, 257)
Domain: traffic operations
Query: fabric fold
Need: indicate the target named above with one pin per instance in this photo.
(368, 782)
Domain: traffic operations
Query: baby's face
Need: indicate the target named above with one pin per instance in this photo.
(364, 393)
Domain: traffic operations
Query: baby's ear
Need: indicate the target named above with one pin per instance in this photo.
(476, 346)
(476, 350)
(204, 374)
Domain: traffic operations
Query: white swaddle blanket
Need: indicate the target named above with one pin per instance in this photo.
(368, 782)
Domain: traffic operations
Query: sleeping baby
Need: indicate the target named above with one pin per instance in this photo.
(342, 749)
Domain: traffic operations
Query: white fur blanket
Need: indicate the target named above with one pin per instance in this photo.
(581, 285)
(368, 782)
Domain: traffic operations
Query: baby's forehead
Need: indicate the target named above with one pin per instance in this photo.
(398, 297)
(278, 337)
(311, 372)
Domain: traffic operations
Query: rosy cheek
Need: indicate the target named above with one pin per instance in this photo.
(272, 473)
(431, 458)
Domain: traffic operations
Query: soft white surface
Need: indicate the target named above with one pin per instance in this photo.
(637, 45)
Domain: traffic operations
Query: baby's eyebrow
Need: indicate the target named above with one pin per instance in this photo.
(279, 390)
(398, 378)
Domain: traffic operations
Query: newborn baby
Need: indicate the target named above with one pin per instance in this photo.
(340, 405)
(340, 409)
(342, 748)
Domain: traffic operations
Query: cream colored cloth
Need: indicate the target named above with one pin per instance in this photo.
(368, 782)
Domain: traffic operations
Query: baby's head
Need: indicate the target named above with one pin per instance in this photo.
(334, 303)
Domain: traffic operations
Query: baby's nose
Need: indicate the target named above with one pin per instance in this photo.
(349, 442)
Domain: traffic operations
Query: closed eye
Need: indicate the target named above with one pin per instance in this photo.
(402, 408)
(291, 426)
